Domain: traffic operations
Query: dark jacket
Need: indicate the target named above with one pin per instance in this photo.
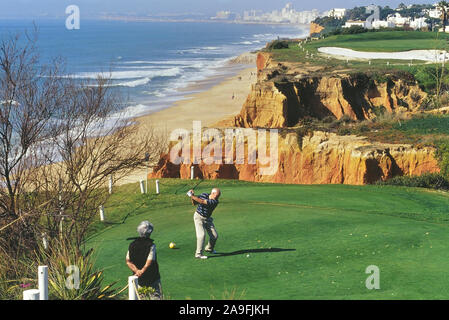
(139, 250)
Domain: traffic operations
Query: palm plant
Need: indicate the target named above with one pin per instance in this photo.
(72, 274)
(444, 16)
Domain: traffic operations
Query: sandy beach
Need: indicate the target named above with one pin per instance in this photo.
(208, 106)
(221, 101)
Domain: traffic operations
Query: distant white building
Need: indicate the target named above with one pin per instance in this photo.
(338, 13)
(399, 20)
(224, 15)
(377, 24)
(418, 23)
(434, 13)
(287, 15)
(352, 23)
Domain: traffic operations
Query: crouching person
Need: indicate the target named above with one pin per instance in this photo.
(142, 260)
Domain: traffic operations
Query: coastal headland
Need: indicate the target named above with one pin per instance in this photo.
(331, 115)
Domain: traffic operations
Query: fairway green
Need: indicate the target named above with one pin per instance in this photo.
(382, 41)
(287, 241)
(391, 41)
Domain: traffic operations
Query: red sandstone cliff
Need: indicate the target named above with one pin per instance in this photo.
(315, 28)
(321, 158)
(276, 102)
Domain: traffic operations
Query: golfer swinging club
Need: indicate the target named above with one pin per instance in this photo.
(203, 220)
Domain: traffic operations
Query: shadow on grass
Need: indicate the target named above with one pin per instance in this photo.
(234, 253)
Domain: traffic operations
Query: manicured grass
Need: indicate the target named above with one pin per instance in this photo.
(390, 41)
(289, 241)
(431, 124)
(424, 130)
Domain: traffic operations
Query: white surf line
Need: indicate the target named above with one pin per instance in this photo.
(425, 55)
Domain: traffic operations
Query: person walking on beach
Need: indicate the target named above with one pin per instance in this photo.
(203, 221)
(142, 260)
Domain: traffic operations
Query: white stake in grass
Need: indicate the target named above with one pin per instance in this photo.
(132, 288)
(142, 186)
(101, 213)
(192, 172)
(45, 241)
(157, 186)
(110, 184)
(32, 294)
(43, 282)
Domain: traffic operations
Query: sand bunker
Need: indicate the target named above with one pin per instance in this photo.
(425, 55)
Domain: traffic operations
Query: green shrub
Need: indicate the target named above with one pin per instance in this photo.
(58, 257)
(278, 44)
(345, 119)
(428, 180)
(354, 30)
(427, 76)
(361, 128)
(381, 77)
(328, 119)
(145, 293)
(15, 275)
(425, 124)
(442, 154)
(343, 131)
(379, 111)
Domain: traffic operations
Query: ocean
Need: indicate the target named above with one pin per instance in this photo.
(151, 64)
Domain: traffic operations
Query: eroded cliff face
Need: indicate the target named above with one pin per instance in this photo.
(318, 158)
(263, 61)
(285, 93)
(315, 28)
(279, 98)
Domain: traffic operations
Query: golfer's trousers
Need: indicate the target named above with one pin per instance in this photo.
(203, 224)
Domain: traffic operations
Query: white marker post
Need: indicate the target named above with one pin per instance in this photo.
(45, 241)
(146, 183)
(101, 213)
(110, 184)
(43, 282)
(157, 186)
(132, 288)
(32, 294)
(147, 159)
(142, 186)
(192, 172)
(61, 208)
(61, 226)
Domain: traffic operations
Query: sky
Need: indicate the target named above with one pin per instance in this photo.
(92, 8)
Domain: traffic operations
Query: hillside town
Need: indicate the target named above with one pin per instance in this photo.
(412, 16)
(287, 15)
